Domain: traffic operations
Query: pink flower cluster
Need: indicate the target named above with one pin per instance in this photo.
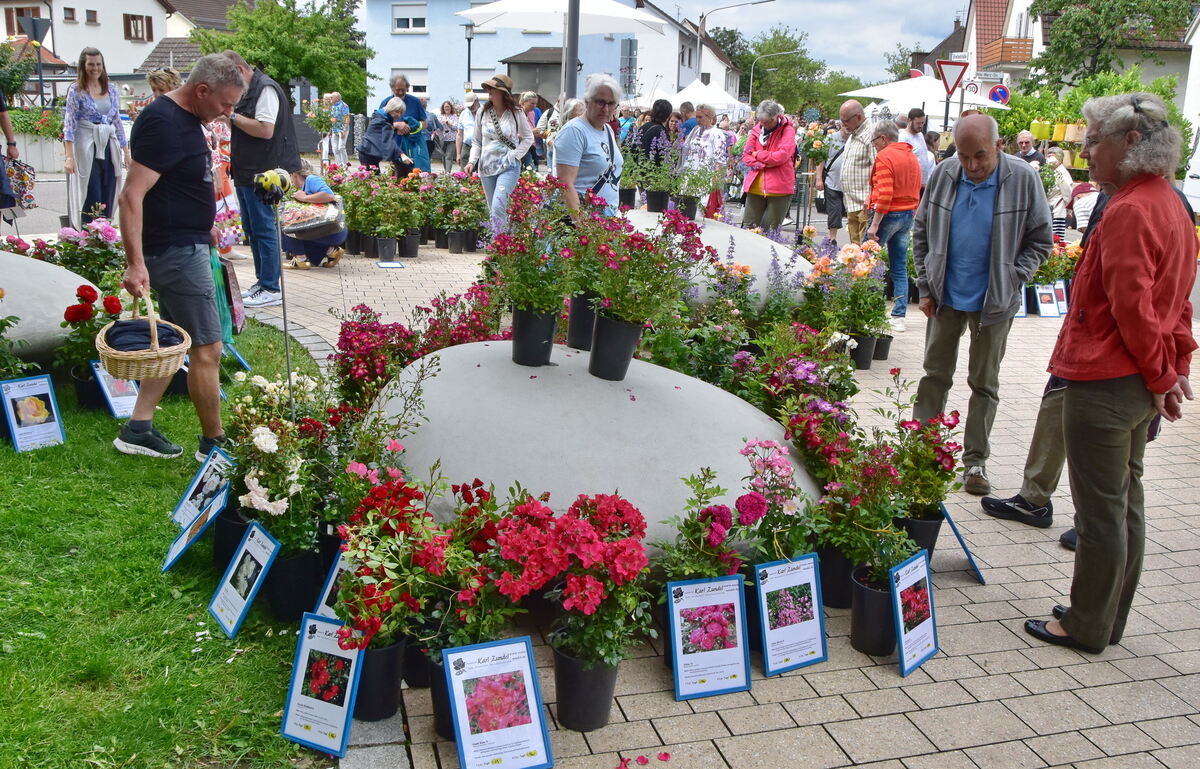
(707, 628)
(496, 702)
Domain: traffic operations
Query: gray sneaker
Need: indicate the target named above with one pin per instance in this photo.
(263, 297)
(151, 443)
(248, 291)
(208, 444)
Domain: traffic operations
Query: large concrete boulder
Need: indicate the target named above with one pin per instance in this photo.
(37, 292)
(746, 247)
(559, 429)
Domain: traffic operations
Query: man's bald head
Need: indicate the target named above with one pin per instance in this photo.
(977, 123)
(849, 109)
(977, 144)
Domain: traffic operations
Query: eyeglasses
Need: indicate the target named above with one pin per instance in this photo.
(1092, 141)
(602, 104)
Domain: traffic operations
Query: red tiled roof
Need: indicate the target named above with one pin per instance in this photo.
(989, 21)
(22, 49)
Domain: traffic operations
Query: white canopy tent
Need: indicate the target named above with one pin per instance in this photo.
(697, 92)
(646, 100)
(925, 92)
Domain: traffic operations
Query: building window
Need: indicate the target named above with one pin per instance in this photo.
(408, 17)
(629, 67)
(91, 17)
(138, 27)
(11, 25)
(69, 14)
(418, 79)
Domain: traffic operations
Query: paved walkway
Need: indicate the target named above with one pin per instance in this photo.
(993, 697)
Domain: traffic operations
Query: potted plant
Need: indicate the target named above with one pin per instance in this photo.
(638, 277)
(846, 293)
(85, 320)
(926, 457)
(531, 269)
(606, 607)
(592, 232)
(659, 172)
(92, 252)
(872, 630)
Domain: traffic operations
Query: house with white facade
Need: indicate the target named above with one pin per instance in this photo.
(425, 41)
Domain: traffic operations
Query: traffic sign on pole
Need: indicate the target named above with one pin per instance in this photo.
(999, 93)
(952, 73)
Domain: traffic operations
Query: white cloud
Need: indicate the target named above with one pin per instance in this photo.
(851, 36)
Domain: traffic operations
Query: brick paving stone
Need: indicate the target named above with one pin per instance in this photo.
(1132, 761)
(838, 682)
(803, 748)
(1186, 757)
(881, 737)
(955, 759)
(759, 718)
(1120, 739)
(697, 726)
(689, 755)
(1143, 668)
(819, 710)
(1005, 755)
(880, 703)
(1064, 748)
(376, 732)
(994, 687)
(380, 755)
(614, 737)
(1172, 732)
(1097, 673)
(951, 668)
(781, 689)
(566, 742)
(1135, 701)
(722, 702)
(637, 707)
(938, 695)
(1055, 712)
(964, 726)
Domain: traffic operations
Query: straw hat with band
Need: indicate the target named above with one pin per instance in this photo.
(502, 83)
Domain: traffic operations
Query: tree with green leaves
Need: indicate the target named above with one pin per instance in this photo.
(291, 39)
(1087, 38)
(829, 98)
(899, 61)
(792, 79)
(14, 71)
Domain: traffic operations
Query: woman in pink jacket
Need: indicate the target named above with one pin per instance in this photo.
(770, 153)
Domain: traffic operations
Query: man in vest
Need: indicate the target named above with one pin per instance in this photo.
(263, 137)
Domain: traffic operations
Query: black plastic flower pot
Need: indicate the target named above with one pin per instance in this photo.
(581, 321)
(440, 238)
(368, 247)
(87, 390)
(627, 198)
(883, 348)
(687, 206)
(533, 337)
(385, 249)
(456, 240)
(439, 690)
(418, 669)
(863, 351)
(423, 236)
(328, 545)
(228, 530)
(471, 245)
(292, 584)
(835, 571)
(656, 201)
(408, 245)
(585, 694)
(613, 345)
(753, 614)
(353, 242)
(379, 685)
(871, 628)
(923, 531)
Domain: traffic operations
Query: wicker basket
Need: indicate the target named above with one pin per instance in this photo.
(154, 363)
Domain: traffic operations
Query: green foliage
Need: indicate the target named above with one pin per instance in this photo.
(11, 366)
(792, 80)
(627, 617)
(13, 71)
(290, 39)
(829, 91)
(1090, 38)
(696, 553)
(46, 123)
(899, 60)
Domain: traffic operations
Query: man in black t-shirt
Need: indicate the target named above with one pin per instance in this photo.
(167, 209)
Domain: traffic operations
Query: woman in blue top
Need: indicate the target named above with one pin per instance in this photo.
(410, 141)
(587, 154)
(312, 189)
(93, 137)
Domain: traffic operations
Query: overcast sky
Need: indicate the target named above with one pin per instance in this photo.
(848, 35)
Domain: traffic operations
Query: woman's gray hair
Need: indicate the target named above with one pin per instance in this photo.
(529, 95)
(395, 104)
(1056, 151)
(768, 108)
(601, 80)
(886, 128)
(216, 71)
(1158, 151)
(571, 106)
(305, 168)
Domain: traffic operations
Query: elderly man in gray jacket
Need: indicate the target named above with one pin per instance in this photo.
(982, 230)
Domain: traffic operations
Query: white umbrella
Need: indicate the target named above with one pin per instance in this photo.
(595, 16)
(697, 92)
(926, 92)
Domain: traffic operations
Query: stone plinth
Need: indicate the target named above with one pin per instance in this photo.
(37, 292)
(749, 248)
(559, 429)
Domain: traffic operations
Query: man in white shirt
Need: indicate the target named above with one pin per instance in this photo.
(914, 135)
(466, 126)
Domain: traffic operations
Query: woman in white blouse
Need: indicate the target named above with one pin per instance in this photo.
(502, 137)
(706, 151)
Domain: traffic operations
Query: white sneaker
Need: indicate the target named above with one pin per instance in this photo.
(248, 291)
(898, 324)
(263, 298)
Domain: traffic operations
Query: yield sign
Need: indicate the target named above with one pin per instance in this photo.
(952, 73)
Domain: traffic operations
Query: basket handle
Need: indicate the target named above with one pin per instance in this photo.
(151, 317)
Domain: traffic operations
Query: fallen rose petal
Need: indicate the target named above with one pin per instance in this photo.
(643, 760)
(624, 764)
(664, 756)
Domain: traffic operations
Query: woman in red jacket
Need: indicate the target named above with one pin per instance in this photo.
(1125, 349)
(770, 153)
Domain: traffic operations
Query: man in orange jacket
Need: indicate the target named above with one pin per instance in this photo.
(895, 192)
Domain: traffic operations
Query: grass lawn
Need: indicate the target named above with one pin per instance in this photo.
(107, 661)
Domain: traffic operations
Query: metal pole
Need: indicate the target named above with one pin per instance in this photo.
(469, 80)
(41, 83)
(287, 339)
(571, 50)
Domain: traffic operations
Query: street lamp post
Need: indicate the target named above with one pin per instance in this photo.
(469, 33)
(706, 14)
(750, 98)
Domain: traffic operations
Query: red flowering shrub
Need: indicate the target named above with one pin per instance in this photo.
(85, 322)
